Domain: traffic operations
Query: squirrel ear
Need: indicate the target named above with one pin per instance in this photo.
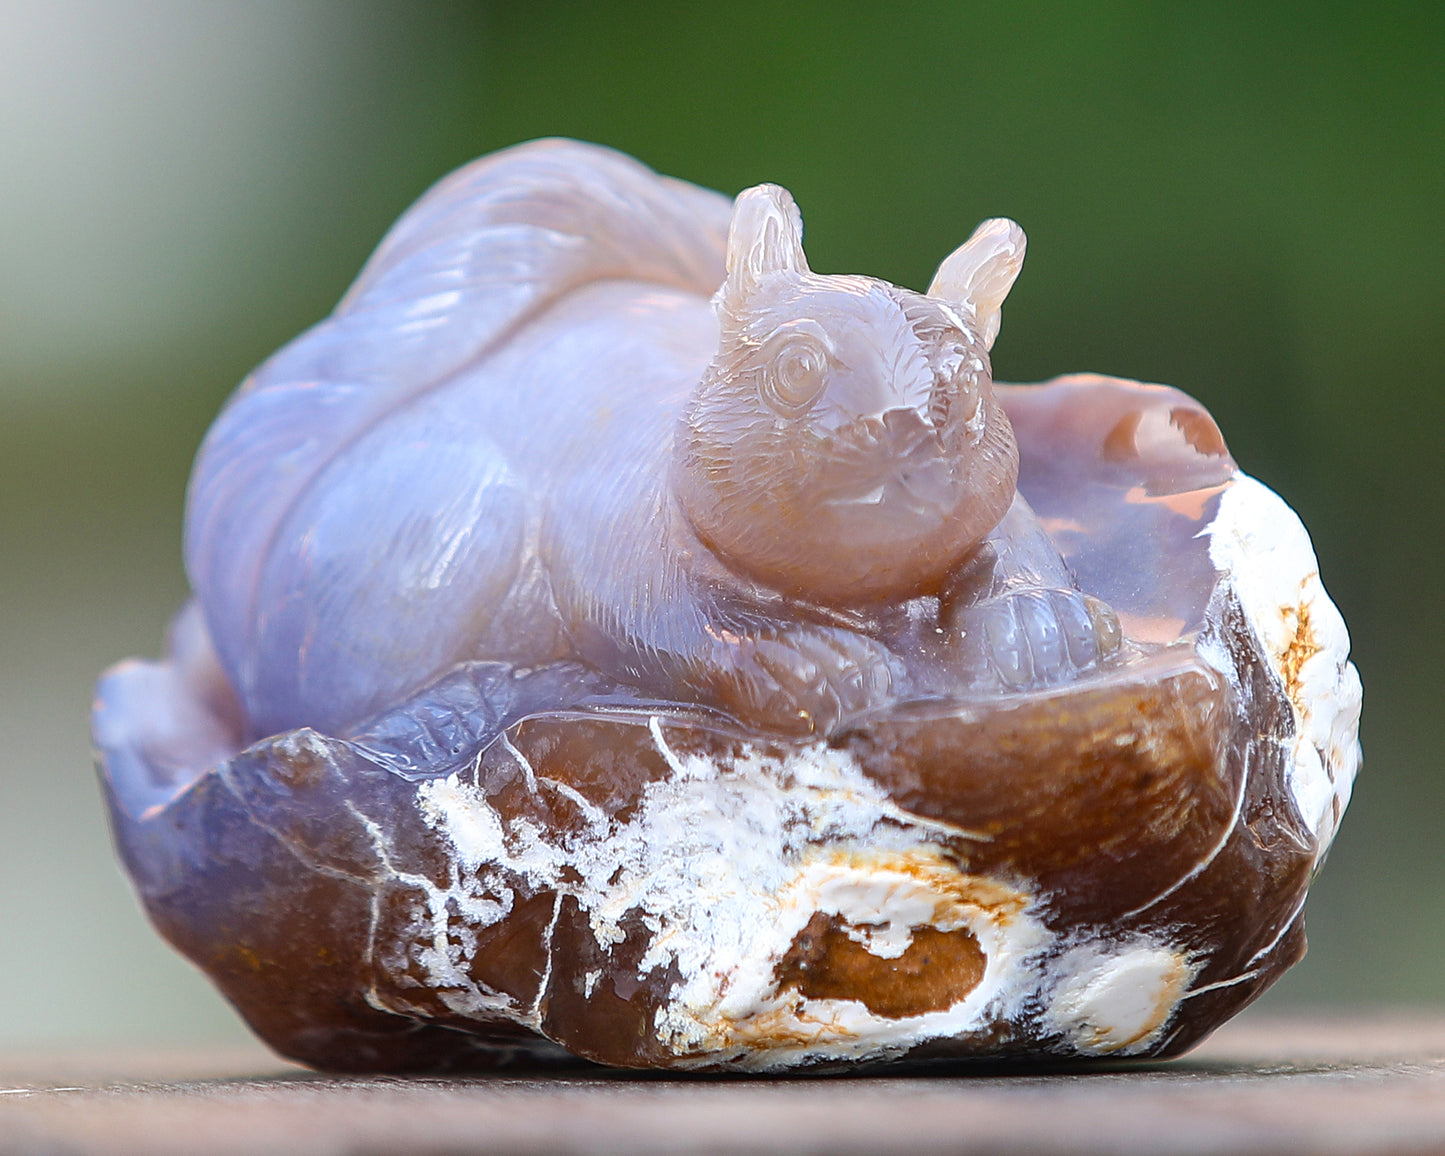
(766, 236)
(981, 271)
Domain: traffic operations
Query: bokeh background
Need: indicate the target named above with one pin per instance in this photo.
(1243, 201)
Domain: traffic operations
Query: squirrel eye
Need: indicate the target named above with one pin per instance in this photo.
(796, 373)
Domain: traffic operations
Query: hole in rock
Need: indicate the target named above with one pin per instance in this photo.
(938, 969)
(1199, 430)
(1121, 443)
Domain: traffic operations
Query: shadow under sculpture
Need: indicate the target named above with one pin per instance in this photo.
(612, 638)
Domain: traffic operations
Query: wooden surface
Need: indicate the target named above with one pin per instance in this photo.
(1260, 1085)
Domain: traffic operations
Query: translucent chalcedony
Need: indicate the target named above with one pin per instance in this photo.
(612, 638)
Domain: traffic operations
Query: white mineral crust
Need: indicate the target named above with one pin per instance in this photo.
(1260, 543)
(726, 863)
(1117, 1000)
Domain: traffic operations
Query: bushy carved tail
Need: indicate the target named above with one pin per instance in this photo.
(479, 256)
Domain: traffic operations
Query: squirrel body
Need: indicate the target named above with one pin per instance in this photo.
(574, 412)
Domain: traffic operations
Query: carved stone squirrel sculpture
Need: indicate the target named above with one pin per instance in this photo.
(528, 583)
(560, 420)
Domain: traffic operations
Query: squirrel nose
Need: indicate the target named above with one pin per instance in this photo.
(905, 427)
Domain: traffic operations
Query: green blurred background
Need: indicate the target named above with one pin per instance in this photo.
(1245, 203)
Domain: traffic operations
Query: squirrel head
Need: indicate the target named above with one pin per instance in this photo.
(844, 446)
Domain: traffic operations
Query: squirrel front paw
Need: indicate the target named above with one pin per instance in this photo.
(805, 681)
(1031, 638)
